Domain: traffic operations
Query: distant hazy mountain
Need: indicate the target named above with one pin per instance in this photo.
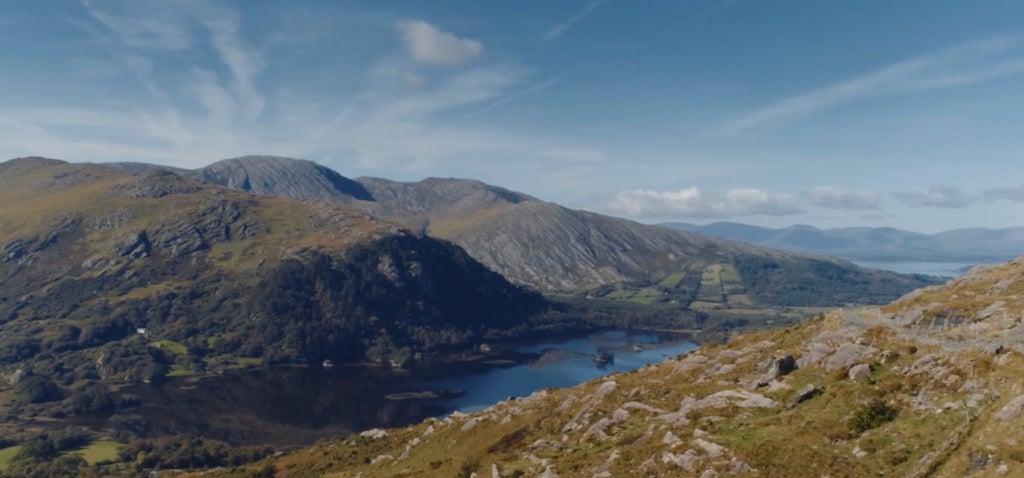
(557, 250)
(882, 244)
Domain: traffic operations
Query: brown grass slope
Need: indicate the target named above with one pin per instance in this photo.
(874, 392)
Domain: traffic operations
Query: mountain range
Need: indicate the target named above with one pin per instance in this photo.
(875, 244)
(556, 250)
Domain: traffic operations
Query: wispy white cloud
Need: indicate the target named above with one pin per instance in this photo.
(428, 44)
(937, 195)
(142, 24)
(557, 30)
(832, 197)
(517, 95)
(242, 59)
(693, 203)
(973, 62)
(406, 119)
(93, 68)
(1010, 193)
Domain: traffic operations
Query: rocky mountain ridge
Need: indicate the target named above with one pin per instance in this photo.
(929, 385)
(557, 250)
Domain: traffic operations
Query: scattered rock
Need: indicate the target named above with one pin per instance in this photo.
(691, 362)
(542, 443)
(374, 434)
(992, 349)
(686, 460)
(739, 398)
(671, 439)
(549, 472)
(620, 415)
(1011, 410)
(381, 458)
(16, 377)
(778, 367)
(713, 450)
(470, 424)
(847, 355)
(641, 406)
(807, 392)
(598, 428)
(737, 467)
(860, 372)
(776, 386)
(815, 353)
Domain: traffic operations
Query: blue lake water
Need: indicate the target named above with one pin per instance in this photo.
(299, 405)
(560, 364)
(943, 269)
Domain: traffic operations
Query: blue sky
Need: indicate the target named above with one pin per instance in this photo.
(829, 113)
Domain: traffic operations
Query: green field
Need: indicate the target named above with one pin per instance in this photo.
(6, 454)
(96, 452)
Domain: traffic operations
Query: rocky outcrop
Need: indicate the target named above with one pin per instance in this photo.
(157, 184)
(777, 367)
(135, 246)
(276, 176)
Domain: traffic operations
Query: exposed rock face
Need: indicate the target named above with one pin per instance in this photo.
(778, 367)
(860, 372)
(157, 184)
(1011, 410)
(135, 246)
(808, 392)
(847, 355)
(271, 175)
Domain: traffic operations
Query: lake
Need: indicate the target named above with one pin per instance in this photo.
(297, 405)
(944, 269)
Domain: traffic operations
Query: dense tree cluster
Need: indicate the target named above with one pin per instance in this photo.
(817, 282)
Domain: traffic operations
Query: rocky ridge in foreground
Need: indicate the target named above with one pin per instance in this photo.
(927, 386)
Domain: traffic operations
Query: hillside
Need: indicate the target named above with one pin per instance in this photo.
(926, 386)
(881, 244)
(109, 278)
(561, 251)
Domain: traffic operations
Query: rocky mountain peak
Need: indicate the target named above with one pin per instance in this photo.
(280, 176)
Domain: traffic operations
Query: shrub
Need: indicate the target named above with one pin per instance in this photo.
(871, 415)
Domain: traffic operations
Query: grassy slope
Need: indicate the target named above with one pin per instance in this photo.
(6, 454)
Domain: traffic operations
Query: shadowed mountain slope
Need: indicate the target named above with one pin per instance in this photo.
(91, 254)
